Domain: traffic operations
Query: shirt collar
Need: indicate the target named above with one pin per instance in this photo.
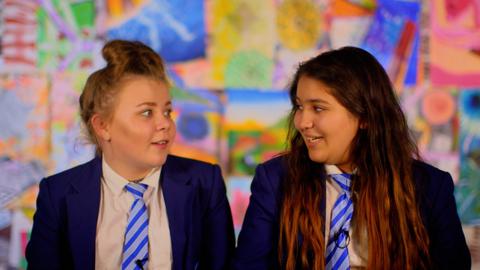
(153, 178)
(116, 183)
(332, 169)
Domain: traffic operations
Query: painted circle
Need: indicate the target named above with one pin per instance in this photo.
(438, 107)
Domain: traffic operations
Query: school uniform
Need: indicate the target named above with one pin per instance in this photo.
(193, 218)
(258, 240)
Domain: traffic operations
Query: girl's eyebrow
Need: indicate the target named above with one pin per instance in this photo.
(150, 103)
(313, 100)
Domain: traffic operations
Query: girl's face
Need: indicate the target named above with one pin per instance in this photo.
(141, 130)
(326, 126)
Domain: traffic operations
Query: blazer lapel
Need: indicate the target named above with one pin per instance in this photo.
(82, 213)
(323, 203)
(176, 192)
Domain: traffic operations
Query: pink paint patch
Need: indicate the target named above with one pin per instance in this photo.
(441, 77)
(23, 241)
(239, 206)
(438, 107)
(456, 7)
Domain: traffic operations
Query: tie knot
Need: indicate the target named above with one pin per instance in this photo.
(136, 189)
(343, 180)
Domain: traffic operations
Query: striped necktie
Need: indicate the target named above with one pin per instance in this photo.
(337, 247)
(135, 248)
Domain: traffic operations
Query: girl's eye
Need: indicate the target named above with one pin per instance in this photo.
(298, 107)
(147, 113)
(317, 109)
(167, 113)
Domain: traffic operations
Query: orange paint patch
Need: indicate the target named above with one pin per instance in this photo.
(438, 107)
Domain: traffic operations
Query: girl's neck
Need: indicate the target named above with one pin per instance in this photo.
(127, 172)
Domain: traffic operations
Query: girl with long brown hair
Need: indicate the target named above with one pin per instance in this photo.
(350, 192)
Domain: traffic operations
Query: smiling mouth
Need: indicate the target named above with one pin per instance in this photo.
(161, 142)
(313, 139)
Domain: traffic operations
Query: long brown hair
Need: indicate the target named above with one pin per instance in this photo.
(385, 202)
(124, 58)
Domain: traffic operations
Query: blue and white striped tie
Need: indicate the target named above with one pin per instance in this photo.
(337, 247)
(135, 248)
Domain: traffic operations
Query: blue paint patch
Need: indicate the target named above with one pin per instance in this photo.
(470, 104)
(175, 29)
(193, 126)
(14, 116)
(16, 177)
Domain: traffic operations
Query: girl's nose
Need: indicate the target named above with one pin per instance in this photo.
(305, 121)
(163, 123)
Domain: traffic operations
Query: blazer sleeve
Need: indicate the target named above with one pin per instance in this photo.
(447, 241)
(219, 233)
(44, 248)
(257, 243)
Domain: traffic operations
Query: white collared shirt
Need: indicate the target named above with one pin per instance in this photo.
(357, 250)
(115, 203)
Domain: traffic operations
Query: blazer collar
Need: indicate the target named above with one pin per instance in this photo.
(177, 189)
(82, 212)
(84, 201)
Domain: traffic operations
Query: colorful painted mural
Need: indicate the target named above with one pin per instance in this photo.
(230, 63)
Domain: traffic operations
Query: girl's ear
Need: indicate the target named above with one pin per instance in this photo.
(101, 128)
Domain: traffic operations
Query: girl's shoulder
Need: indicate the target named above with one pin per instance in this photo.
(433, 185)
(271, 173)
(194, 172)
(82, 170)
(277, 163)
(425, 172)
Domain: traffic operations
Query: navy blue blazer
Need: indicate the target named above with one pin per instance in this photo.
(258, 240)
(199, 217)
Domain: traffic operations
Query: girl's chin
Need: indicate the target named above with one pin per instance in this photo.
(316, 158)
